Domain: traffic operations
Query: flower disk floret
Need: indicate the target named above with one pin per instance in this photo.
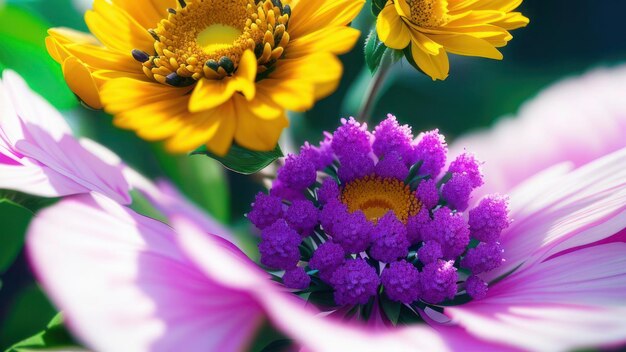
(370, 213)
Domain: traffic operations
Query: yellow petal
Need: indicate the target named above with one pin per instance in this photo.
(336, 40)
(436, 66)
(468, 45)
(256, 133)
(309, 16)
(65, 42)
(425, 43)
(512, 21)
(391, 28)
(116, 29)
(79, 80)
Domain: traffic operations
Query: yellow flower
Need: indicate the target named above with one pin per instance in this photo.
(433, 28)
(197, 72)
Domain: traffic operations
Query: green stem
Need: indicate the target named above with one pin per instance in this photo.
(376, 84)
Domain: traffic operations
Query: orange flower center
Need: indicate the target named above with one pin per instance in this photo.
(429, 13)
(375, 196)
(206, 39)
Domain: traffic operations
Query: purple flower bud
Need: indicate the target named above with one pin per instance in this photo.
(429, 252)
(355, 282)
(391, 137)
(389, 239)
(392, 166)
(416, 225)
(351, 140)
(431, 150)
(329, 190)
(279, 246)
(438, 281)
(296, 278)
(450, 231)
(489, 218)
(485, 257)
(467, 164)
(326, 259)
(457, 191)
(353, 232)
(427, 193)
(476, 287)
(302, 216)
(298, 173)
(401, 282)
(266, 209)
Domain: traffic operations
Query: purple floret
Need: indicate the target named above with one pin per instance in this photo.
(416, 225)
(457, 191)
(302, 216)
(328, 190)
(485, 257)
(296, 278)
(389, 239)
(279, 246)
(432, 151)
(438, 281)
(321, 156)
(476, 287)
(450, 231)
(429, 252)
(467, 164)
(266, 209)
(298, 172)
(281, 191)
(390, 137)
(351, 140)
(427, 193)
(355, 282)
(326, 259)
(331, 214)
(489, 218)
(355, 167)
(392, 166)
(353, 232)
(401, 282)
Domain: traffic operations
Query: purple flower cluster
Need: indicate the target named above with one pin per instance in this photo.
(368, 209)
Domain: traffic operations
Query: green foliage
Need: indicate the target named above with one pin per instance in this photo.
(374, 51)
(377, 6)
(23, 49)
(16, 211)
(29, 313)
(390, 308)
(242, 160)
(52, 337)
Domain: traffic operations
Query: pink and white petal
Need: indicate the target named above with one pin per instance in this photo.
(31, 109)
(226, 264)
(576, 120)
(37, 180)
(571, 301)
(124, 285)
(79, 164)
(552, 214)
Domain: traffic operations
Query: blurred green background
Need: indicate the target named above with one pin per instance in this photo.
(565, 37)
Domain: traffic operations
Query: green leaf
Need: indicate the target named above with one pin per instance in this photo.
(391, 309)
(28, 313)
(23, 49)
(377, 6)
(53, 336)
(374, 51)
(242, 160)
(14, 220)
